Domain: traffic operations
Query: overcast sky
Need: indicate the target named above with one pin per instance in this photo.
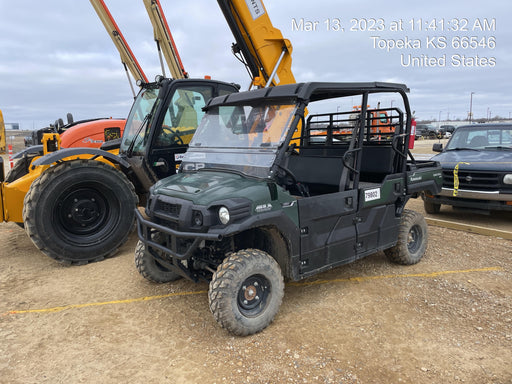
(56, 57)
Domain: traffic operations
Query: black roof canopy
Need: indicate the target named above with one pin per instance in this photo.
(309, 92)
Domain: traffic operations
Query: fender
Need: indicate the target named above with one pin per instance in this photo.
(56, 156)
(32, 150)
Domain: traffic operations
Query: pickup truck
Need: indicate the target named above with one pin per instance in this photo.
(273, 187)
(477, 169)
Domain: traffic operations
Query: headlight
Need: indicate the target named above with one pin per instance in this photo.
(507, 179)
(224, 215)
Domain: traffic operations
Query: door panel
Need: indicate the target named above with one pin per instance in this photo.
(328, 232)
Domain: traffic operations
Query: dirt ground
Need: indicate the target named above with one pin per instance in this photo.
(447, 319)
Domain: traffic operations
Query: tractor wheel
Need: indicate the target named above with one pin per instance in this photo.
(246, 292)
(80, 211)
(150, 268)
(412, 239)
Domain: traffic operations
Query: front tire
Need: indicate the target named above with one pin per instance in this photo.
(150, 268)
(80, 211)
(246, 292)
(412, 239)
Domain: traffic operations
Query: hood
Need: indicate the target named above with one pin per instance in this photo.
(207, 186)
(485, 159)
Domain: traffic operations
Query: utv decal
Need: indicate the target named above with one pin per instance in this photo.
(372, 194)
(193, 166)
(263, 208)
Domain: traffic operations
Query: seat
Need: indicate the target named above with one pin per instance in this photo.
(478, 141)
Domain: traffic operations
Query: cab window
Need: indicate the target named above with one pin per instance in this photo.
(183, 116)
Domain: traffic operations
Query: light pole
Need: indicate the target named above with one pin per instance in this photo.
(471, 107)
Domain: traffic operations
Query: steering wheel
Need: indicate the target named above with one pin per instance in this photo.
(169, 137)
(289, 179)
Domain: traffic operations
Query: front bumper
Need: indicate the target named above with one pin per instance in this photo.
(478, 195)
(171, 247)
(478, 200)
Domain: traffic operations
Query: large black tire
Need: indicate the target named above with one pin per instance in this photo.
(246, 292)
(151, 269)
(19, 170)
(412, 239)
(80, 211)
(431, 207)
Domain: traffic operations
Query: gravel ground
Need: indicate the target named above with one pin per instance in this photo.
(447, 319)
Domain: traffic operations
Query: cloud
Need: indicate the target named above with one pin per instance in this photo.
(56, 57)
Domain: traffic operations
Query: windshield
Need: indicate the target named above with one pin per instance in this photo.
(243, 138)
(137, 122)
(481, 138)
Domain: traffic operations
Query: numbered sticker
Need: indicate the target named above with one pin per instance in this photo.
(372, 194)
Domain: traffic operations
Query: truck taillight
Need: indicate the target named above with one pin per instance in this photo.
(413, 134)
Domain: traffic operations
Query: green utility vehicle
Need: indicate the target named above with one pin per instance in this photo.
(269, 191)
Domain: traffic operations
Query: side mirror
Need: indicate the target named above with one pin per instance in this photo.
(437, 147)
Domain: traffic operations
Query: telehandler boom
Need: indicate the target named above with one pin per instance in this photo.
(164, 41)
(259, 45)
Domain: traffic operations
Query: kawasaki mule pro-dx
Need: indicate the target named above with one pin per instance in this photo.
(269, 190)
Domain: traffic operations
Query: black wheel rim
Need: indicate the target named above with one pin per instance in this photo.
(414, 239)
(253, 295)
(85, 211)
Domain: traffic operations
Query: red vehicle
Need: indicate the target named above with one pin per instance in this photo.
(91, 133)
(98, 131)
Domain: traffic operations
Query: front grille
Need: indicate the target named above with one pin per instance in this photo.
(168, 209)
(473, 180)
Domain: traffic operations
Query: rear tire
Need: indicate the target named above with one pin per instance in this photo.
(246, 292)
(431, 207)
(80, 211)
(412, 239)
